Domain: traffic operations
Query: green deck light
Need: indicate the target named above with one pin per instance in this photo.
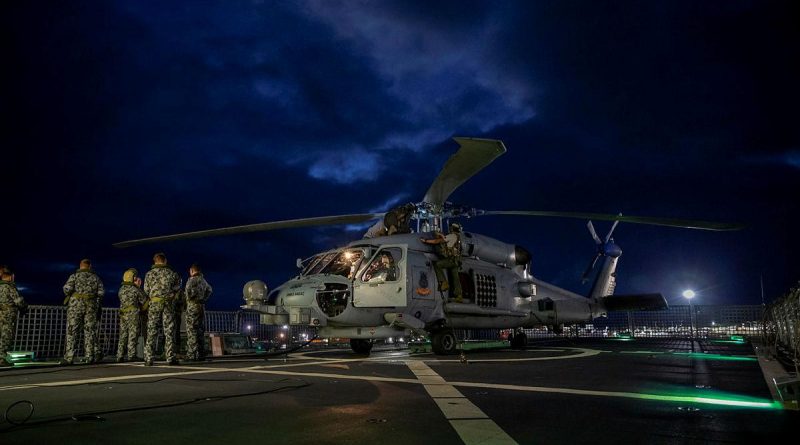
(20, 356)
(710, 397)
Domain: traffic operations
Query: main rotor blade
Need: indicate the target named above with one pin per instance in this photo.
(472, 157)
(274, 225)
(669, 222)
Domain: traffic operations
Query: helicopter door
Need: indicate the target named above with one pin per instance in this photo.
(383, 281)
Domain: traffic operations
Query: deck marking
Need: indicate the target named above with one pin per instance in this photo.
(472, 425)
(107, 379)
(426, 381)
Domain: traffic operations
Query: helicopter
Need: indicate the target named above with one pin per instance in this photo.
(385, 284)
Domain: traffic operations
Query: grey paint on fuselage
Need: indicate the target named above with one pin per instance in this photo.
(423, 300)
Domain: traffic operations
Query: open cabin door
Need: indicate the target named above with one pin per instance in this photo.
(382, 283)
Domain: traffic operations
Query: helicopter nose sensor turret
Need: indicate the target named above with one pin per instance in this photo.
(255, 292)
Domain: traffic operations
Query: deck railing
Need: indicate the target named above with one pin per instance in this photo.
(42, 330)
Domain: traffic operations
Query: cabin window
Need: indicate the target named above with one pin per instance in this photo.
(384, 266)
(545, 305)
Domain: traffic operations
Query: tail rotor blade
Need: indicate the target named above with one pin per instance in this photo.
(589, 269)
(596, 238)
(613, 226)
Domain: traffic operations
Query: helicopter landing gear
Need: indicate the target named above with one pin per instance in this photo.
(519, 340)
(444, 342)
(360, 346)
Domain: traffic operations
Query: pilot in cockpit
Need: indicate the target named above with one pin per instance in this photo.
(382, 268)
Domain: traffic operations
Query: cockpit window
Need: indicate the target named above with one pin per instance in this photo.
(316, 266)
(310, 263)
(344, 263)
(384, 266)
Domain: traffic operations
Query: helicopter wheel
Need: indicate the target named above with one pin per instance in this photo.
(519, 341)
(443, 342)
(360, 346)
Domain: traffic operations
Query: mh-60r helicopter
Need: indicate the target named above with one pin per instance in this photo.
(384, 285)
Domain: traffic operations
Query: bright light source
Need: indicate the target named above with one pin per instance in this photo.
(688, 293)
(348, 255)
(249, 327)
(285, 326)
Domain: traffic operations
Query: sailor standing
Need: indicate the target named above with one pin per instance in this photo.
(131, 299)
(10, 302)
(84, 291)
(162, 286)
(197, 293)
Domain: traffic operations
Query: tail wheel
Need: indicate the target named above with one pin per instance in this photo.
(519, 341)
(444, 342)
(360, 346)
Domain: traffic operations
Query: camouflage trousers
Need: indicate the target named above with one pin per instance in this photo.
(195, 327)
(82, 313)
(8, 321)
(160, 312)
(453, 265)
(128, 333)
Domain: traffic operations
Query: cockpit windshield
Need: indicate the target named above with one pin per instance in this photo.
(317, 262)
(343, 262)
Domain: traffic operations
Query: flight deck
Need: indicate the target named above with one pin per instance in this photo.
(563, 391)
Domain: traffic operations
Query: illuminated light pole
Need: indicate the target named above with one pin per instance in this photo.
(689, 295)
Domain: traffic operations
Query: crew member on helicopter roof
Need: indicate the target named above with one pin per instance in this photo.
(448, 248)
(397, 219)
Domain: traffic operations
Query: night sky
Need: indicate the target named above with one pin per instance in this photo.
(132, 119)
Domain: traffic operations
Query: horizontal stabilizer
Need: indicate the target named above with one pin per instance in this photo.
(640, 302)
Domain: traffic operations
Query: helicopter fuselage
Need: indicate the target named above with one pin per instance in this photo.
(387, 286)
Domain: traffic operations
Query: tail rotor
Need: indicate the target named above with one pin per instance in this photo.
(605, 248)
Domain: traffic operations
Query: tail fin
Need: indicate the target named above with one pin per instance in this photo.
(605, 282)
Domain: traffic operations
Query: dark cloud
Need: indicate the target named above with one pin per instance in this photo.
(131, 119)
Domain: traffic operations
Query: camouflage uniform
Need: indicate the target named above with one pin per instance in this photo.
(84, 291)
(131, 299)
(197, 293)
(161, 285)
(10, 302)
(448, 248)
